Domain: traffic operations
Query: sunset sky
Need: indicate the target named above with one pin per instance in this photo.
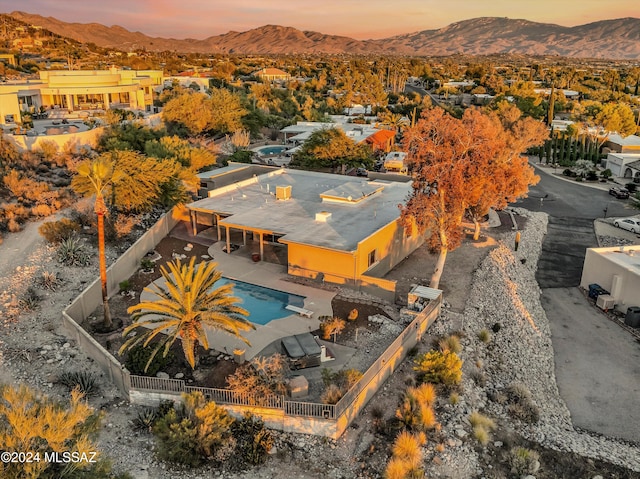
(360, 19)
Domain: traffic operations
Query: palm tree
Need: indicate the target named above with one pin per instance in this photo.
(94, 178)
(184, 308)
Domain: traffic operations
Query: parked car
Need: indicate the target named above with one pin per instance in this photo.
(619, 192)
(362, 172)
(629, 224)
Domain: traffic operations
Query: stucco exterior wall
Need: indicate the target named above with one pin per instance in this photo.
(599, 269)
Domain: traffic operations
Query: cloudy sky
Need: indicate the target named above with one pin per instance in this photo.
(360, 19)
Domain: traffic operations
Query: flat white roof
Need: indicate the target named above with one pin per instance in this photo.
(627, 257)
(356, 207)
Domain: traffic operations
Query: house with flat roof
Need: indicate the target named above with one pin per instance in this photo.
(331, 228)
(617, 270)
(80, 90)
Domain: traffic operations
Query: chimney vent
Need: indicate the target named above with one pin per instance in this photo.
(323, 216)
(283, 192)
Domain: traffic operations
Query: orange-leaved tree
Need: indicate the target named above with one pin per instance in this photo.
(462, 165)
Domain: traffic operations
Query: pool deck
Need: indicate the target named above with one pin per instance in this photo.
(272, 276)
(268, 275)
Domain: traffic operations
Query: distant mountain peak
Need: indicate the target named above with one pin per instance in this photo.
(614, 38)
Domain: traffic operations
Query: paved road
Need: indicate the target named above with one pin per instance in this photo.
(572, 208)
(596, 365)
(596, 361)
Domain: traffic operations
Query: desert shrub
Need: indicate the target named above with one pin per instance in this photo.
(454, 398)
(192, 432)
(331, 327)
(137, 360)
(260, 378)
(57, 231)
(377, 416)
(406, 459)
(331, 395)
(478, 377)
(353, 315)
(48, 149)
(482, 426)
(49, 280)
(338, 384)
(438, 367)
(85, 381)
(124, 225)
(450, 343)
(23, 187)
(83, 215)
(42, 210)
(481, 435)
(253, 440)
(145, 419)
(29, 300)
(125, 286)
(592, 176)
(31, 421)
(523, 461)
(415, 411)
(520, 403)
(484, 335)
(146, 264)
(71, 252)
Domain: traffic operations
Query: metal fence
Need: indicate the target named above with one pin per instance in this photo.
(349, 405)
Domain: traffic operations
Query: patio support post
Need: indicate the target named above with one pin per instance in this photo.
(194, 222)
(261, 246)
(218, 226)
(226, 228)
(244, 237)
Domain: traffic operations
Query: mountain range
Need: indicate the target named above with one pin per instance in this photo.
(611, 39)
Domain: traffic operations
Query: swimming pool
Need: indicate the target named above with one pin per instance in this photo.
(270, 150)
(264, 304)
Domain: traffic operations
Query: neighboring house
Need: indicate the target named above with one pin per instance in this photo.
(80, 90)
(382, 140)
(272, 74)
(333, 228)
(395, 162)
(620, 144)
(624, 165)
(569, 94)
(302, 130)
(617, 270)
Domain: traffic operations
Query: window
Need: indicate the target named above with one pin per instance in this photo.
(372, 257)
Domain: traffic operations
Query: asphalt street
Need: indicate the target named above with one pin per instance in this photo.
(571, 207)
(596, 361)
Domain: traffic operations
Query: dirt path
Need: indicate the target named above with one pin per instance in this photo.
(20, 255)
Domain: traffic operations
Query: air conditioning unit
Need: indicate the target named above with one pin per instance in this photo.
(605, 302)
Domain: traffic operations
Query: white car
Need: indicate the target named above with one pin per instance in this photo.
(629, 224)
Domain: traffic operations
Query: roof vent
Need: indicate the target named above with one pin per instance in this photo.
(323, 216)
(283, 192)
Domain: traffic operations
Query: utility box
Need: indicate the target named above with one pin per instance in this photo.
(605, 302)
(633, 317)
(596, 290)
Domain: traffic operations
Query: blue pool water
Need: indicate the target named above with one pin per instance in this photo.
(271, 150)
(263, 304)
